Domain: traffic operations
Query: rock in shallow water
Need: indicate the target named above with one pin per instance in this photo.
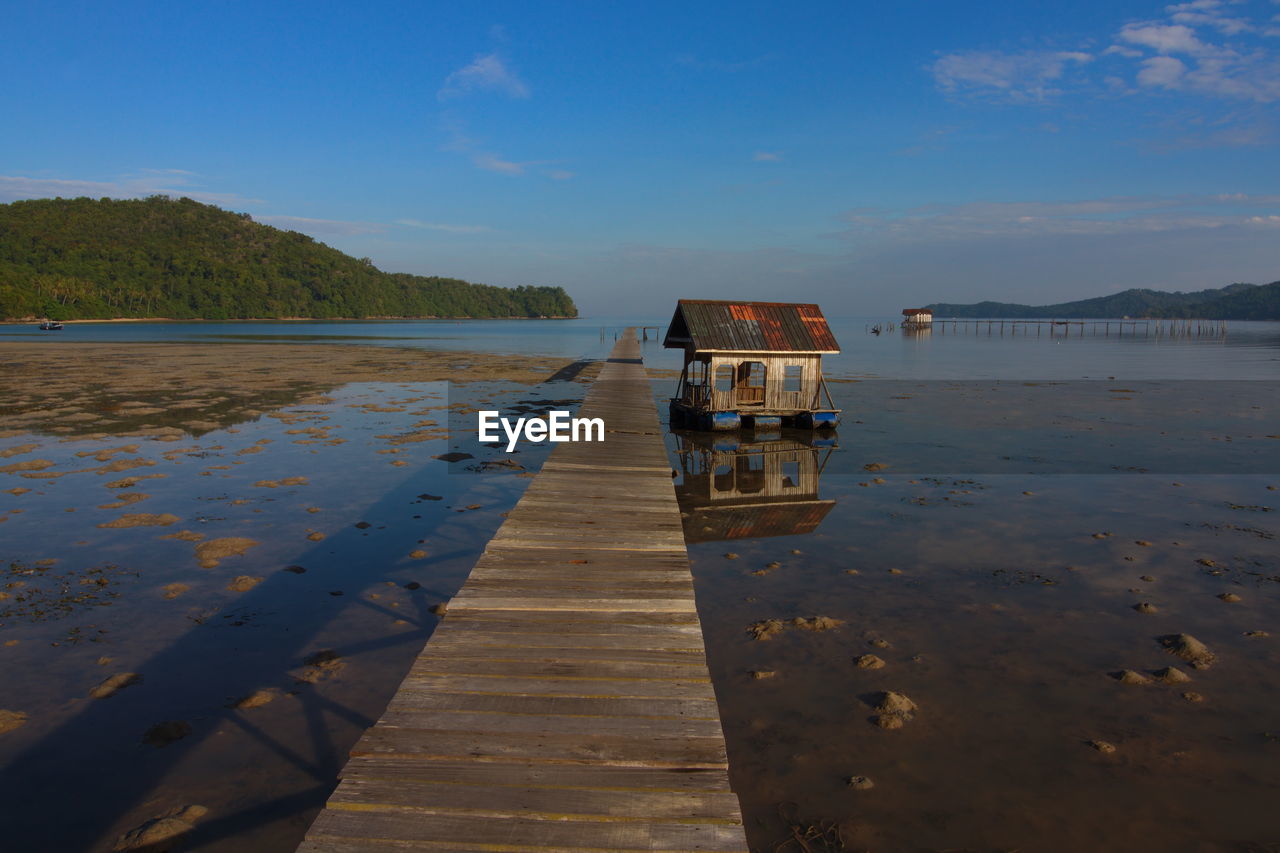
(10, 720)
(161, 834)
(1172, 675)
(163, 734)
(1129, 676)
(1189, 649)
(894, 710)
(117, 682)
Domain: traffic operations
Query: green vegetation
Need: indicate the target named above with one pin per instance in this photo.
(1233, 302)
(161, 257)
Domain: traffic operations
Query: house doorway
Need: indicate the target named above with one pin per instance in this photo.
(750, 383)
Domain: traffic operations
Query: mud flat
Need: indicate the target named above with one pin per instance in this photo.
(189, 664)
(1064, 662)
(144, 387)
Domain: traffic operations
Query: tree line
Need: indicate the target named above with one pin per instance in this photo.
(177, 258)
(1233, 302)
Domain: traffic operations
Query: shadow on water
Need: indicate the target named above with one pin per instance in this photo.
(49, 808)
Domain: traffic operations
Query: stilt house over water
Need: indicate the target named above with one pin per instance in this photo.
(752, 363)
(917, 316)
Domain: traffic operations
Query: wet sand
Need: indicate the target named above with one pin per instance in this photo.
(219, 562)
(221, 559)
(163, 390)
(990, 682)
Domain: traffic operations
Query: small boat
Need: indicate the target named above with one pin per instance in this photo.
(50, 326)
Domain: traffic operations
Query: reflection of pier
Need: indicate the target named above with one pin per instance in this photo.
(741, 487)
(1160, 328)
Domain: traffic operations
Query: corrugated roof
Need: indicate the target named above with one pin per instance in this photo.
(715, 523)
(750, 327)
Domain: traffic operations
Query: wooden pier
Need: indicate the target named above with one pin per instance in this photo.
(564, 703)
(1163, 328)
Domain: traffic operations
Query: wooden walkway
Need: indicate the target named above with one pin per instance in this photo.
(564, 702)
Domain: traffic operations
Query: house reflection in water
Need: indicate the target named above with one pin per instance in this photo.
(740, 486)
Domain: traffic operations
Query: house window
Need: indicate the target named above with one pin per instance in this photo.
(750, 473)
(751, 374)
(790, 475)
(724, 377)
(792, 375)
(722, 477)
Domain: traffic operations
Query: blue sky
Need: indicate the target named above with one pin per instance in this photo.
(866, 156)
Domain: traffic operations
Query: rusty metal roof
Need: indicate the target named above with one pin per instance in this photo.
(716, 523)
(750, 327)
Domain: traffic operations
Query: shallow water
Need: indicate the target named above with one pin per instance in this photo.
(1002, 605)
(1249, 350)
(1016, 612)
(345, 563)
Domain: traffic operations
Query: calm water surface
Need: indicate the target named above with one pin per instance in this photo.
(1249, 350)
(990, 512)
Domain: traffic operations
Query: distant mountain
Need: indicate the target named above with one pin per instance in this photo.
(161, 257)
(1233, 302)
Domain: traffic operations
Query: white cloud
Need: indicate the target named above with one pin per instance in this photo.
(1200, 48)
(459, 141)
(171, 182)
(1104, 216)
(1207, 13)
(1165, 38)
(1165, 71)
(1230, 136)
(486, 73)
(766, 156)
(332, 227)
(493, 163)
(447, 228)
(1027, 76)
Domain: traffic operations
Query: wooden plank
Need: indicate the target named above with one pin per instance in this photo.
(517, 835)
(564, 702)
(566, 748)
(536, 621)
(480, 600)
(510, 722)
(696, 709)
(405, 789)
(513, 685)
(563, 652)
(529, 775)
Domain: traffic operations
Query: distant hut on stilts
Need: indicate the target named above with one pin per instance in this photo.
(917, 317)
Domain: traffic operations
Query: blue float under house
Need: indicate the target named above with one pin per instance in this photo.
(753, 364)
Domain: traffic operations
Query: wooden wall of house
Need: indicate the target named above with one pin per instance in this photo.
(781, 474)
(775, 372)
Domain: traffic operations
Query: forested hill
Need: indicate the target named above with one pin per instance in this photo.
(1233, 302)
(160, 257)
